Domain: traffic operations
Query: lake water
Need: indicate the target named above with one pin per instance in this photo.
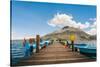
(18, 51)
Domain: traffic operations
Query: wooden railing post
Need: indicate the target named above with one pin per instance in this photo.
(72, 42)
(37, 43)
(72, 38)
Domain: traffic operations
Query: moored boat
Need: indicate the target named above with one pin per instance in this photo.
(86, 49)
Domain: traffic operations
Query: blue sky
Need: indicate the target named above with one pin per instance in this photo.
(31, 18)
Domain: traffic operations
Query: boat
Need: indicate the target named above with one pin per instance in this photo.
(42, 45)
(86, 49)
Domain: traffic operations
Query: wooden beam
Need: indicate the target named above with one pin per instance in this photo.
(72, 43)
(37, 43)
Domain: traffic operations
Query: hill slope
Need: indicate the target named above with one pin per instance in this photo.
(65, 32)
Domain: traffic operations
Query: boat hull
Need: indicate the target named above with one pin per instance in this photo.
(88, 52)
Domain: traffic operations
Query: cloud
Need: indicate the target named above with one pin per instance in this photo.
(92, 27)
(94, 24)
(92, 19)
(83, 26)
(61, 20)
(92, 31)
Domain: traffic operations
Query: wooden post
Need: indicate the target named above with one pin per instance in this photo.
(37, 43)
(72, 42)
(72, 38)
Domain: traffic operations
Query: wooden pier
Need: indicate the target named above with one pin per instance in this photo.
(53, 54)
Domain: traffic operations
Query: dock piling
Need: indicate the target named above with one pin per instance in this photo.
(72, 42)
(37, 43)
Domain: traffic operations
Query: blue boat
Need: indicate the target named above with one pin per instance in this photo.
(44, 43)
(86, 49)
(47, 42)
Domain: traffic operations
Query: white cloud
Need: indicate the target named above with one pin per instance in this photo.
(83, 26)
(61, 20)
(92, 31)
(94, 24)
(92, 19)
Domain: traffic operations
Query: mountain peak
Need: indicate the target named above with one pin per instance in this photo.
(66, 31)
(65, 27)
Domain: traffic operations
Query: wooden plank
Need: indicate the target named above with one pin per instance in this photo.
(54, 53)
